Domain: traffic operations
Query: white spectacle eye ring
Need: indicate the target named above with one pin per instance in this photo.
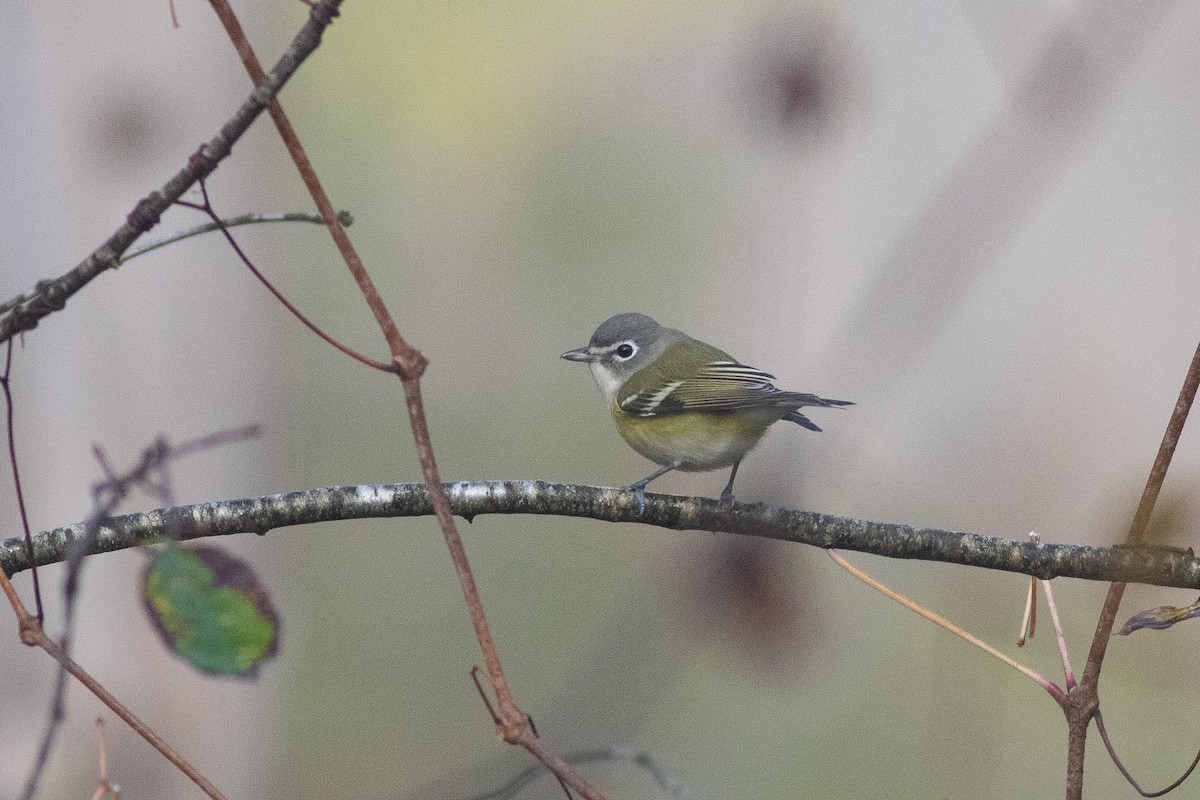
(625, 351)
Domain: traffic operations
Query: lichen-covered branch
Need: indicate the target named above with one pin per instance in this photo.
(469, 499)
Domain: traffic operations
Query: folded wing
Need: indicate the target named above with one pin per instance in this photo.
(723, 386)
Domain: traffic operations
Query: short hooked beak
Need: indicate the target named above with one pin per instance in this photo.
(580, 354)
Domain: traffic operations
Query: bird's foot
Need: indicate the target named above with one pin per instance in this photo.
(726, 499)
(639, 490)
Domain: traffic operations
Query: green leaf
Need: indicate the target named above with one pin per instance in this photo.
(211, 609)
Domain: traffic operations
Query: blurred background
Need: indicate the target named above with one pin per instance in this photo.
(978, 221)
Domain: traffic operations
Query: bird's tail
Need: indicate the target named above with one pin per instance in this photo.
(812, 400)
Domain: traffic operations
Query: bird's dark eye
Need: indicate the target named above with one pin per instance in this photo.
(625, 351)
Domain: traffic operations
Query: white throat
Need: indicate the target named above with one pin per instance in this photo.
(607, 380)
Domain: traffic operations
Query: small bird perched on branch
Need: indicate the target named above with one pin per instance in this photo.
(682, 403)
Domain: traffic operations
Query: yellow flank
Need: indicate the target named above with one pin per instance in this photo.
(698, 440)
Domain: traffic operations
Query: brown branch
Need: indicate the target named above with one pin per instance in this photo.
(207, 207)
(33, 635)
(937, 619)
(24, 313)
(103, 787)
(1137, 787)
(10, 425)
(1083, 701)
(291, 140)
(411, 363)
(150, 474)
(670, 786)
(1141, 519)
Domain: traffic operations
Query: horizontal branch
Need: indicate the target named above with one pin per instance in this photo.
(1158, 566)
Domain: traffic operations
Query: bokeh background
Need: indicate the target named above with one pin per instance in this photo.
(976, 220)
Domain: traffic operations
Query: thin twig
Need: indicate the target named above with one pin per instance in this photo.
(291, 140)
(487, 701)
(49, 296)
(1068, 673)
(108, 494)
(1137, 787)
(26, 311)
(232, 222)
(1052, 688)
(103, 786)
(1141, 519)
(139, 727)
(9, 411)
(207, 208)
(670, 785)
(410, 363)
(1084, 699)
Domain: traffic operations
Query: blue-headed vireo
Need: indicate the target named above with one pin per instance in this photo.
(682, 403)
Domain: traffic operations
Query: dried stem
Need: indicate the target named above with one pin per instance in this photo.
(671, 786)
(219, 224)
(9, 411)
(1112, 753)
(1068, 673)
(1045, 683)
(1141, 519)
(232, 222)
(1085, 699)
(291, 140)
(150, 474)
(411, 363)
(25, 312)
(40, 639)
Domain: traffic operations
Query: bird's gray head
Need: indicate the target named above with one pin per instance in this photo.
(621, 346)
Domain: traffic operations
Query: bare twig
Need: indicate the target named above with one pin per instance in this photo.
(49, 296)
(9, 411)
(139, 727)
(232, 222)
(1052, 688)
(219, 224)
(26, 311)
(1137, 787)
(1029, 618)
(469, 499)
(1068, 673)
(670, 785)
(108, 494)
(291, 140)
(1084, 700)
(410, 364)
(103, 787)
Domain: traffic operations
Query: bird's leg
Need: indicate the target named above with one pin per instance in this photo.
(639, 487)
(727, 493)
